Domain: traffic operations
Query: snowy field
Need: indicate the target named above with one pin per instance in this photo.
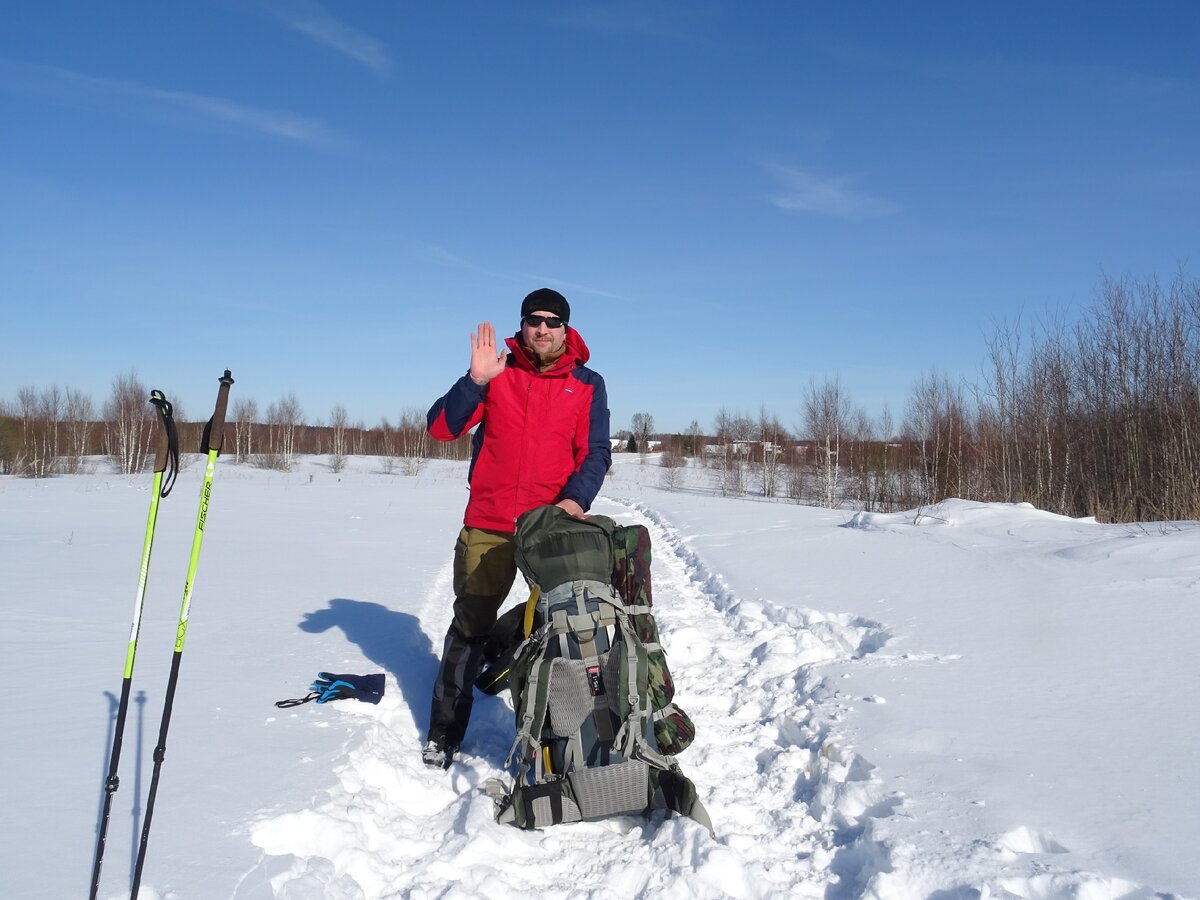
(980, 701)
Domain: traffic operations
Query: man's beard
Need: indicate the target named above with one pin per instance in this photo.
(548, 356)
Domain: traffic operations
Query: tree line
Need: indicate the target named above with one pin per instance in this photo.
(1096, 417)
(54, 431)
(1099, 417)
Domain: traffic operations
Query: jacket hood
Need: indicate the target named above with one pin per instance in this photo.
(575, 353)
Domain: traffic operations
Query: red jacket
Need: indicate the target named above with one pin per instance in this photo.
(542, 436)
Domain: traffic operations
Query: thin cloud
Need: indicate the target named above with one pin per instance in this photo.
(314, 21)
(192, 107)
(808, 193)
(275, 123)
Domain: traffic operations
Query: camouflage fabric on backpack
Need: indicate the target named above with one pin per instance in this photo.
(590, 687)
(631, 577)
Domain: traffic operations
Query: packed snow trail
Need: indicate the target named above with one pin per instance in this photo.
(792, 810)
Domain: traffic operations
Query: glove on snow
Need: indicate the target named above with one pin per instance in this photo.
(367, 688)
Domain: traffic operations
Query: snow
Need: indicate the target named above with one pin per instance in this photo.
(971, 700)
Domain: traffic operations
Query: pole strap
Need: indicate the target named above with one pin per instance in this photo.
(167, 459)
(298, 701)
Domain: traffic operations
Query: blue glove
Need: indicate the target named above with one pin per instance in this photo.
(368, 688)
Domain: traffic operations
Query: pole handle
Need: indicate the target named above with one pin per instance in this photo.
(214, 432)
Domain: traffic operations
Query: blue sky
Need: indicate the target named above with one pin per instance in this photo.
(736, 198)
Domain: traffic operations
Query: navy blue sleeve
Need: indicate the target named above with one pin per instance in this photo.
(458, 411)
(584, 485)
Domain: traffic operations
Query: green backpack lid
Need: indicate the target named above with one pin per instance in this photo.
(554, 547)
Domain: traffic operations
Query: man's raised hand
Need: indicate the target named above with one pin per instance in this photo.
(485, 364)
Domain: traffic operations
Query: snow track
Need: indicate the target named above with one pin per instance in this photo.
(792, 810)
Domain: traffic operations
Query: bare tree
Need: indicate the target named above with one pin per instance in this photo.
(797, 473)
(339, 420)
(283, 419)
(414, 440)
(50, 416)
(386, 445)
(40, 415)
(826, 417)
(673, 468)
(127, 423)
(642, 426)
(937, 421)
(887, 484)
(79, 416)
(10, 441)
(731, 453)
(245, 413)
(693, 446)
(999, 403)
(27, 403)
(864, 462)
(769, 458)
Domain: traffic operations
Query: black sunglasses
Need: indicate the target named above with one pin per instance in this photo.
(548, 321)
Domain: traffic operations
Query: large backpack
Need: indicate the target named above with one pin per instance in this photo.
(596, 725)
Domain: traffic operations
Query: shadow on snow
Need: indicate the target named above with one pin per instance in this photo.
(392, 640)
(396, 642)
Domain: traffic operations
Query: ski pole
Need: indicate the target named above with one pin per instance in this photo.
(211, 443)
(166, 468)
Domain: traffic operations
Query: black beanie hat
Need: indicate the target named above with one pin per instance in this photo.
(549, 300)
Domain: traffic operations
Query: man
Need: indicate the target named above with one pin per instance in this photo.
(542, 437)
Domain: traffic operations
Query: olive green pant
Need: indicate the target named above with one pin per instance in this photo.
(484, 571)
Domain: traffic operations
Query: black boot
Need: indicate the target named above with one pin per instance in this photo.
(437, 755)
(453, 694)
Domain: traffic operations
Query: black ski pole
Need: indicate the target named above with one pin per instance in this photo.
(214, 434)
(166, 467)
